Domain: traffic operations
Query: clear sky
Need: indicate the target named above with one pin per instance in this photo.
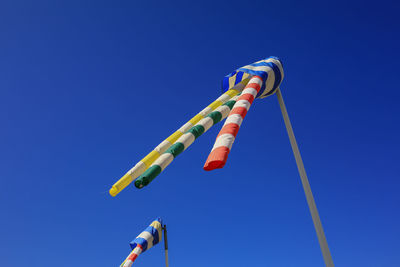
(87, 88)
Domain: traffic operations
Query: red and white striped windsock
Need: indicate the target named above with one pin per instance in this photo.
(223, 144)
(132, 257)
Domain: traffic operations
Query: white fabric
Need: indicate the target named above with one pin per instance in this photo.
(161, 148)
(185, 127)
(164, 160)
(250, 90)
(187, 139)
(234, 118)
(206, 123)
(243, 104)
(224, 140)
(224, 110)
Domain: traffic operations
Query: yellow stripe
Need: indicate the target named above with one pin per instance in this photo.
(158, 226)
(150, 158)
(196, 119)
(232, 92)
(173, 137)
(121, 184)
(215, 104)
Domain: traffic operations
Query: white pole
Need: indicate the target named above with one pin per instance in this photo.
(306, 185)
(166, 246)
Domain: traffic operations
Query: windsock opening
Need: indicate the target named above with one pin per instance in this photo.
(217, 158)
(212, 165)
(113, 191)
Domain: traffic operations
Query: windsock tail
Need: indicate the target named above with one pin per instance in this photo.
(132, 257)
(216, 159)
(145, 164)
(226, 137)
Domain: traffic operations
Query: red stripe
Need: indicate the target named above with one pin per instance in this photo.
(256, 86)
(242, 111)
(217, 158)
(230, 128)
(248, 97)
(132, 257)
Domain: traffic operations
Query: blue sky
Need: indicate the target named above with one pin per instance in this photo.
(87, 88)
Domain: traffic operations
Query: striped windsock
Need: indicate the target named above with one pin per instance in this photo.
(226, 137)
(147, 161)
(184, 142)
(147, 239)
(269, 70)
(132, 257)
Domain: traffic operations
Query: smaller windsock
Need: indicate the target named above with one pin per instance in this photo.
(151, 236)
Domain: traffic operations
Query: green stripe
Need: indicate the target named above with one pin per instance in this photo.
(216, 116)
(196, 130)
(230, 103)
(175, 149)
(178, 148)
(148, 176)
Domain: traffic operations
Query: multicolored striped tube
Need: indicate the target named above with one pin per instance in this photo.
(226, 137)
(132, 257)
(151, 236)
(184, 142)
(269, 69)
(146, 162)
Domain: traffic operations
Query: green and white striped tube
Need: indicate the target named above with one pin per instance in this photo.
(184, 142)
(146, 162)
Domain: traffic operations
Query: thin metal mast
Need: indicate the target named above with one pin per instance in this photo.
(306, 185)
(166, 245)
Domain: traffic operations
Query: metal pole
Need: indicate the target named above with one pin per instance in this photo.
(166, 246)
(306, 185)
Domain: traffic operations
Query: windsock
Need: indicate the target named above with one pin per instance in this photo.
(266, 77)
(257, 80)
(147, 161)
(184, 142)
(147, 239)
(269, 69)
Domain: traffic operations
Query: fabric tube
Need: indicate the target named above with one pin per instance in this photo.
(184, 142)
(147, 161)
(223, 144)
(132, 257)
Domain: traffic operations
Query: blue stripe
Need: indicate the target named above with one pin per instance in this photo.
(253, 72)
(262, 89)
(153, 231)
(263, 62)
(239, 77)
(143, 242)
(278, 75)
(140, 241)
(277, 72)
(264, 75)
(278, 78)
(225, 82)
